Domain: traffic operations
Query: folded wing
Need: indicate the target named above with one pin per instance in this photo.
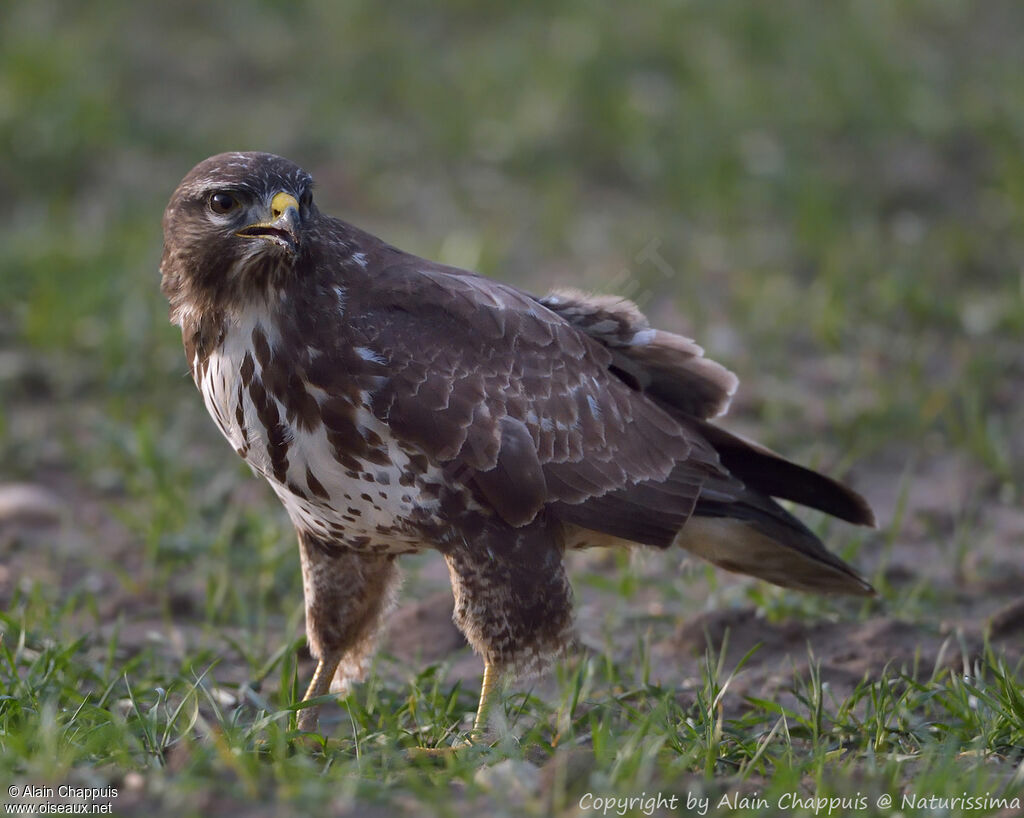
(574, 405)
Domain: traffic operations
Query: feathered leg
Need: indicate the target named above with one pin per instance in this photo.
(513, 603)
(347, 595)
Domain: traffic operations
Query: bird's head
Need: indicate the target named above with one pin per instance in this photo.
(233, 230)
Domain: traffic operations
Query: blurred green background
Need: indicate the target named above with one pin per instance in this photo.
(819, 178)
(844, 178)
(828, 196)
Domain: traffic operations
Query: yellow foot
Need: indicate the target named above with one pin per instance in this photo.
(466, 744)
(433, 753)
(315, 743)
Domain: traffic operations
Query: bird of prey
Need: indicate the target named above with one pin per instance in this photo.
(395, 404)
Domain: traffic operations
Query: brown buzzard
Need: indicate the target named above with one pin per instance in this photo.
(395, 404)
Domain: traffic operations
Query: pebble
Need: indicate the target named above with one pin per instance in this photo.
(26, 503)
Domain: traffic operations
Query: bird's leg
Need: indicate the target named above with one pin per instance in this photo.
(320, 685)
(488, 690)
(487, 693)
(348, 594)
(513, 603)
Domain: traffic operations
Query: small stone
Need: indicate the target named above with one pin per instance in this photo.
(28, 504)
(134, 782)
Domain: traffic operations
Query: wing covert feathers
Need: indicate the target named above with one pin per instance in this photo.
(472, 369)
(665, 366)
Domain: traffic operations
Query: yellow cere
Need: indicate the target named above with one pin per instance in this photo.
(281, 202)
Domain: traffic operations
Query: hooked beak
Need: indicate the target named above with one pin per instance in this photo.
(283, 227)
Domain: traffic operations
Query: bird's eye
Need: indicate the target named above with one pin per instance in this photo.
(306, 201)
(221, 202)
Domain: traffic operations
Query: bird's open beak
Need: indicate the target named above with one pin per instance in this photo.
(283, 226)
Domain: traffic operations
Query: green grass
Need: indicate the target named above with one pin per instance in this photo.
(829, 197)
(79, 704)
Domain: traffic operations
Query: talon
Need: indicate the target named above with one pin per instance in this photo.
(420, 753)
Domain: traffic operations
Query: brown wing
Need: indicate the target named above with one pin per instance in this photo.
(482, 376)
(536, 412)
(672, 371)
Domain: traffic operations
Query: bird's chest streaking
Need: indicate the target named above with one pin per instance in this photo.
(302, 421)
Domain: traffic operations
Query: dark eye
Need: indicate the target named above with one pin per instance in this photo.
(306, 201)
(221, 202)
